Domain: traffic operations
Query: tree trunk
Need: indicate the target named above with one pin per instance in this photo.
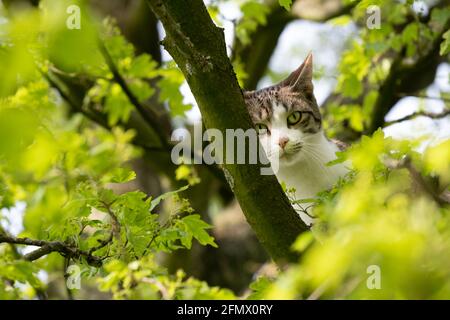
(198, 47)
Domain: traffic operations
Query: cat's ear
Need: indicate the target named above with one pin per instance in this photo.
(301, 79)
(248, 94)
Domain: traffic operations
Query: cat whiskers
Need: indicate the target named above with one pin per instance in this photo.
(313, 153)
(294, 148)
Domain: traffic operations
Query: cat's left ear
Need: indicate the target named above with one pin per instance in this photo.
(301, 79)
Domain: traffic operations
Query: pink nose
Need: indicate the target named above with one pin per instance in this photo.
(283, 142)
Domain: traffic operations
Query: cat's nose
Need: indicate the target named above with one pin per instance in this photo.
(283, 142)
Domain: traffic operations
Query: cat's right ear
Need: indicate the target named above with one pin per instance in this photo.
(301, 79)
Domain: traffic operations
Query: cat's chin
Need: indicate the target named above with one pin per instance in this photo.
(288, 160)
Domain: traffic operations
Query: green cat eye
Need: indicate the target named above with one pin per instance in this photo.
(261, 128)
(294, 117)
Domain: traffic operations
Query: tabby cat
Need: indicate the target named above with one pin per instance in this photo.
(289, 127)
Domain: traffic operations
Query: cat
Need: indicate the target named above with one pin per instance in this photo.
(289, 125)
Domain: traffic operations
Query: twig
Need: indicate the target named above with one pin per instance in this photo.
(414, 115)
(102, 243)
(72, 104)
(418, 179)
(422, 96)
(162, 289)
(147, 114)
(103, 123)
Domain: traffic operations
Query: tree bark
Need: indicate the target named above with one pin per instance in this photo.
(198, 47)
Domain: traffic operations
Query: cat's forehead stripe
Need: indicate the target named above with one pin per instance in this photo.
(260, 102)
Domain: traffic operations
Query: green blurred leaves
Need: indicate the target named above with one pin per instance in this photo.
(445, 45)
(285, 4)
(379, 216)
(254, 14)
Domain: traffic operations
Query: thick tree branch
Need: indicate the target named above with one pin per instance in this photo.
(199, 49)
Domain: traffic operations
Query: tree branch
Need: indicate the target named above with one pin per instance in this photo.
(255, 56)
(422, 68)
(422, 96)
(146, 113)
(414, 115)
(47, 247)
(399, 79)
(418, 179)
(199, 49)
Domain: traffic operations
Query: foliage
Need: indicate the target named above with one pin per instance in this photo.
(370, 58)
(254, 14)
(67, 172)
(378, 215)
(67, 175)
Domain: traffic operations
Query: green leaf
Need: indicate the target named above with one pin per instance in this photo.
(350, 86)
(117, 105)
(184, 172)
(255, 10)
(259, 288)
(445, 45)
(166, 195)
(22, 271)
(141, 89)
(254, 14)
(439, 17)
(171, 80)
(142, 67)
(357, 119)
(197, 228)
(285, 4)
(120, 175)
(303, 241)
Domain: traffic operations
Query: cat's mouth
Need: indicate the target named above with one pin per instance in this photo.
(286, 154)
(289, 153)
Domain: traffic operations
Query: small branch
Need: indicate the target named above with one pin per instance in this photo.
(167, 147)
(147, 114)
(422, 96)
(47, 247)
(418, 179)
(115, 231)
(162, 289)
(414, 115)
(73, 105)
(102, 243)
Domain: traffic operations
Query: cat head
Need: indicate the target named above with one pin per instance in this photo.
(286, 115)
